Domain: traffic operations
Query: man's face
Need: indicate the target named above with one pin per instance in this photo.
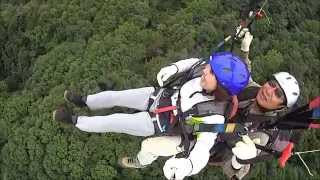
(208, 80)
(270, 96)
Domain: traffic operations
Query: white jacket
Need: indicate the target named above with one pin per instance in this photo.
(200, 154)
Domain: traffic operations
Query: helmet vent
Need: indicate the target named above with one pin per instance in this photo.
(227, 69)
(294, 93)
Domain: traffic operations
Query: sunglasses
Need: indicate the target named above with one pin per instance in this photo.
(278, 92)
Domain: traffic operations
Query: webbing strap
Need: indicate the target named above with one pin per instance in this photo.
(219, 128)
(165, 109)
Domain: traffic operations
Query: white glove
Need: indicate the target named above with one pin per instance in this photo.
(165, 73)
(245, 44)
(177, 168)
(241, 34)
(246, 148)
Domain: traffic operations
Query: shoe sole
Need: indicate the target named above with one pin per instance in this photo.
(54, 115)
(121, 164)
(125, 166)
(65, 96)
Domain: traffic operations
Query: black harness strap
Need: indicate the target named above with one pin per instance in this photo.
(221, 128)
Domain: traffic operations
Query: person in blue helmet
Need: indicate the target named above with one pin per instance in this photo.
(205, 93)
(224, 74)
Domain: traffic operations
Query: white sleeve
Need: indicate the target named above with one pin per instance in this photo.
(200, 154)
(186, 64)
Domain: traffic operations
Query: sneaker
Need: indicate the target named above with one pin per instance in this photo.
(129, 162)
(75, 99)
(62, 115)
(233, 173)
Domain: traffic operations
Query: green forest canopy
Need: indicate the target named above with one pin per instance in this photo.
(48, 46)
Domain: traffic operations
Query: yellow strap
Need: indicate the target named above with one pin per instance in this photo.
(230, 127)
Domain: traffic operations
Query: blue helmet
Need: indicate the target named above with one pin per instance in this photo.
(230, 71)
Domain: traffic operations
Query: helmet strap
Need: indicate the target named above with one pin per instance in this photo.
(235, 104)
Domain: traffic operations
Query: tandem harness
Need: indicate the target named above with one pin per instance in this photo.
(164, 107)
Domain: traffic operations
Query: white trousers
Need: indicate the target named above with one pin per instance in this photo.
(152, 148)
(137, 124)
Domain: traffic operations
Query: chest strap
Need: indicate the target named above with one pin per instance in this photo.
(165, 109)
(220, 128)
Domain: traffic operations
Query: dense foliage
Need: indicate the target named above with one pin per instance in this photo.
(47, 46)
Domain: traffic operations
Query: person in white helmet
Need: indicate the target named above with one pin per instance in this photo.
(258, 105)
(257, 111)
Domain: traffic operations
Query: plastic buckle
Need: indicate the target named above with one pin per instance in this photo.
(243, 132)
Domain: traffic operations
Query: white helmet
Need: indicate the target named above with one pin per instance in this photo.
(290, 87)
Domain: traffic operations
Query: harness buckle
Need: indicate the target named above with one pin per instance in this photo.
(245, 131)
